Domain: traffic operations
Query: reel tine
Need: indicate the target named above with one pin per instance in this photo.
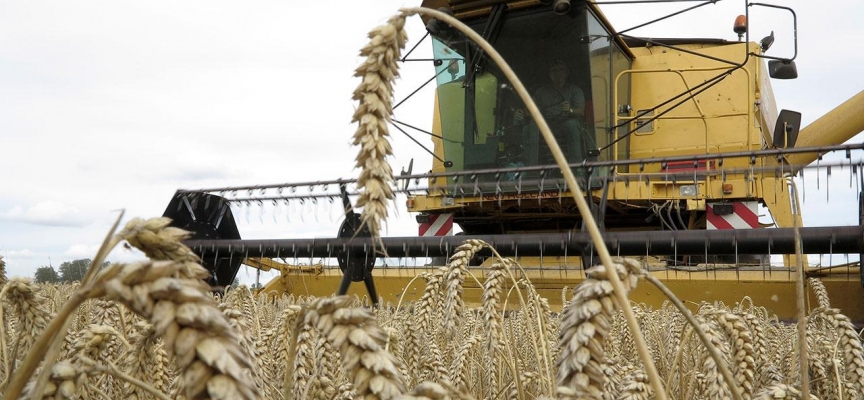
(827, 185)
(302, 210)
(519, 196)
(542, 179)
(261, 211)
(803, 186)
(818, 160)
(498, 190)
(288, 211)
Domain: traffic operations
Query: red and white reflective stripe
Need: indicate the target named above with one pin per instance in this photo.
(438, 225)
(743, 217)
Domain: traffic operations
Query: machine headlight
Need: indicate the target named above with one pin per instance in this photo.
(687, 190)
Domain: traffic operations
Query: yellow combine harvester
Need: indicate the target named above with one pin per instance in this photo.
(678, 143)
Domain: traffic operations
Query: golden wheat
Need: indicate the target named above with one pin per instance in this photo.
(151, 329)
(357, 358)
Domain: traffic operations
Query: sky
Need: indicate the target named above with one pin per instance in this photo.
(110, 105)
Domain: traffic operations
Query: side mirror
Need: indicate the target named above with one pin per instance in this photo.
(782, 69)
(786, 129)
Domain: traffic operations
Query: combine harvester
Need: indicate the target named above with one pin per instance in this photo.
(677, 142)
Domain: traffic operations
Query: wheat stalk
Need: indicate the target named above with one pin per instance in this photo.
(620, 291)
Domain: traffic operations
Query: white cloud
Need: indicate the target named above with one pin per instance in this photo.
(234, 94)
(79, 251)
(48, 213)
(19, 254)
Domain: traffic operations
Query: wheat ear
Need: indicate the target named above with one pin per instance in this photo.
(374, 96)
(715, 384)
(29, 306)
(850, 343)
(146, 362)
(373, 371)
(781, 391)
(585, 325)
(206, 348)
(821, 293)
(428, 304)
(304, 369)
(454, 279)
(635, 386)
(283, 340)
(743, 354)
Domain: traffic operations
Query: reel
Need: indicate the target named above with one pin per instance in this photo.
(207, 217)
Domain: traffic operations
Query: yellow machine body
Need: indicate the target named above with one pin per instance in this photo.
(774, 290)
(737, 114)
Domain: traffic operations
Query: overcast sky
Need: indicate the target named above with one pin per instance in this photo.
(107, 105)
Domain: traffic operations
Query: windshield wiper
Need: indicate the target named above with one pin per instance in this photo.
(490, 34)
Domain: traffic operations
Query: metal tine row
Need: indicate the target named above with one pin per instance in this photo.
(403, 182)
(671, 266)
(493, 184)
(317, 199)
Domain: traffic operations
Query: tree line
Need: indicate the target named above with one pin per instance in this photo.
(69, 271)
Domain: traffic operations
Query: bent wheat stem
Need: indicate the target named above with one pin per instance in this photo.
(570, 179)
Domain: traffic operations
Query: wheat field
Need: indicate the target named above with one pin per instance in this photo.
(153, 330)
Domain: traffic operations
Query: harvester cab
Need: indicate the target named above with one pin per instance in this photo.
(677, 143)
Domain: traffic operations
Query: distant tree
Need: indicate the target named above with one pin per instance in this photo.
(2, 271)
(74, 271)
(257, 286)
(46, 275)
(235, 283)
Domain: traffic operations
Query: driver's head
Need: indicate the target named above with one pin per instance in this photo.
(558, 72)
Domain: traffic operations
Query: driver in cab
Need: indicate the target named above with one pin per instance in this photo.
(563, 106)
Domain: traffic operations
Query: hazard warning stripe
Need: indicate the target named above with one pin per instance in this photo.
(438, 225)
(743, 217)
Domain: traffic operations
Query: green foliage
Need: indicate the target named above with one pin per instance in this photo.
(46, 275)
(74, 271)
